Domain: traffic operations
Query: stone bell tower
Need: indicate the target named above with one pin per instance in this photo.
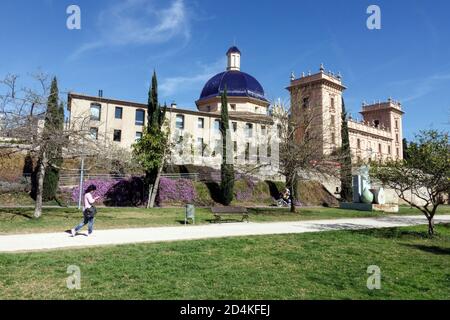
(316, 99)
(387, 115)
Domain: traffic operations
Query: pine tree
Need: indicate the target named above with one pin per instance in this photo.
(227, 169)
(346, 163)
(54, 122)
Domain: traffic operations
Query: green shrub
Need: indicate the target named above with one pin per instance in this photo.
(203, 197)
(50, 187)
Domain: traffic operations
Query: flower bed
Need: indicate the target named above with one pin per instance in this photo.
(176, 191)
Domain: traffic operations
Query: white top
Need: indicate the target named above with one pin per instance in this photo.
(88, 200)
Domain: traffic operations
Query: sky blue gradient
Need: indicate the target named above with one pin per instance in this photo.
(408, 59)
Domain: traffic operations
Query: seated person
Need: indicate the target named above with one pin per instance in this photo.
(286, 195)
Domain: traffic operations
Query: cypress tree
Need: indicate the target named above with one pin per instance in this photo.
(155, 116)
(155, 121)
(346, 163)
(405, 149)
(54, 122)
(227, 169)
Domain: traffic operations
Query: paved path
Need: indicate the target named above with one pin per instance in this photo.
(49, 241)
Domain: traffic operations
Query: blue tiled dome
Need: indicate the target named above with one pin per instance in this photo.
(233, 49)
(239, 84)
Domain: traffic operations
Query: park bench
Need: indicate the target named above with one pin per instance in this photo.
(219, 212)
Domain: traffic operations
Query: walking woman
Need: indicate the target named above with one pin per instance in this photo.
(89, 211)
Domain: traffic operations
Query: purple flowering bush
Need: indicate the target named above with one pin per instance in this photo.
(127, 192)
(103, 186)
(176, 191)
(124, 192)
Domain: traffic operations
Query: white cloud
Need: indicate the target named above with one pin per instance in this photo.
(419, 88)
(172, 85)
(139, 22)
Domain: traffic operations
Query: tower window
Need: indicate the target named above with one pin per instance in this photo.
(234, 125)
(389, 150)
(333, 138)
(358, 144)
(306, 102)
(332, 106)
(376, 123)
(379, 148)
(333, 120)
(396, 124)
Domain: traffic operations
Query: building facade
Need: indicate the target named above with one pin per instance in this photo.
(319, 96)
(196, 136)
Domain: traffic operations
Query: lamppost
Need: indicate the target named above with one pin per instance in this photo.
(82, 155)
(80, 195)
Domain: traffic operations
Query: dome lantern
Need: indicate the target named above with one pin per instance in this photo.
(234, 59)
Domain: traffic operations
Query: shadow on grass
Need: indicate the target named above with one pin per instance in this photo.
(393, 233)
(17, 213)
(429, 249)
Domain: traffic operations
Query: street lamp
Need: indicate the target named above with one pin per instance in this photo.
(82, 155)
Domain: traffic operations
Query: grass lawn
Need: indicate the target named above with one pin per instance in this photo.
(327, 265)
(61, 219)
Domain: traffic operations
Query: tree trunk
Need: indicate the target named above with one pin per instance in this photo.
(292, 190)
(40, 187)
(430, 226)
(149, 196)
(155, 188)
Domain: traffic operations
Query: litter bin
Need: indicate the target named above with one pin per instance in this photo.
(189, 214)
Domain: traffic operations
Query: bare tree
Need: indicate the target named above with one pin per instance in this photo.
(23, 112)
(302, 149)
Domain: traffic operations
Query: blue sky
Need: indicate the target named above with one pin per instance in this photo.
(122, 41)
